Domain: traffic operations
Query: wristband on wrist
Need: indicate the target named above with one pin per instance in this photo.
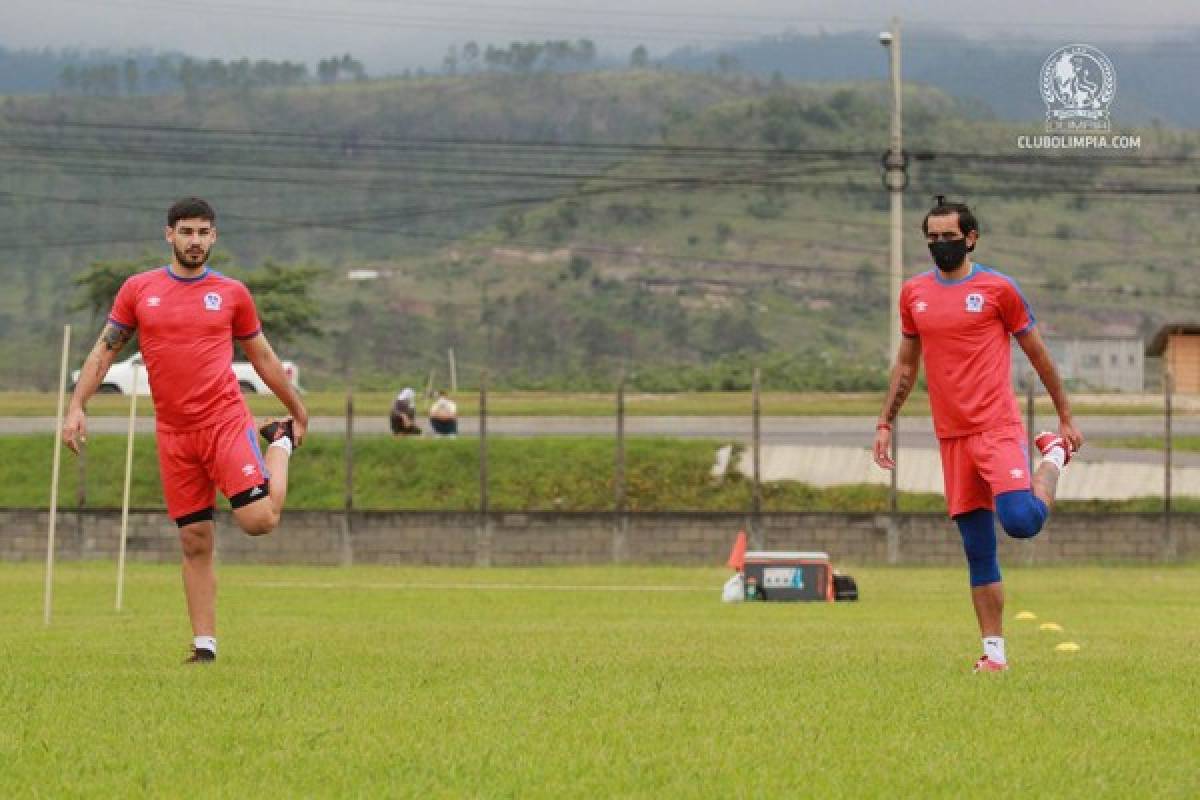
(886, 426)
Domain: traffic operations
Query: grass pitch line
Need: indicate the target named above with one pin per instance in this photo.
(489, 587)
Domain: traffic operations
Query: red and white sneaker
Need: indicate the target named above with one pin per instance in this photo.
(1048, 440)
(985, 664)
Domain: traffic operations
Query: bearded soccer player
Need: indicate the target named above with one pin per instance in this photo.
(187, 317)
(959, 317)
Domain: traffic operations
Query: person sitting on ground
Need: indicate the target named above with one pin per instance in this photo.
(404, 414)
(443, 416)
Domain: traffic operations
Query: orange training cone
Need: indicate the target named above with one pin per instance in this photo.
(737, 556)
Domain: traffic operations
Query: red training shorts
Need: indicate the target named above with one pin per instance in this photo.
(193, 464)
(979, 466)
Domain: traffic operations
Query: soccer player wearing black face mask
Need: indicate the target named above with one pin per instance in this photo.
(959, 317)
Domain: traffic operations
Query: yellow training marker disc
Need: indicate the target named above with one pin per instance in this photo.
(1050, 626)
(1026, 615)
(1066, 647)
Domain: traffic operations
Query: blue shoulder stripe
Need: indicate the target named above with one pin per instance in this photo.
(1020, 294)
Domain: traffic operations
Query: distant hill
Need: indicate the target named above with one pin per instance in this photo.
(556, 227)
(993, 78)
(1154, 81)
(40, 71)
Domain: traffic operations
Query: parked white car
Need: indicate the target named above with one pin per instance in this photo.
(119, 379)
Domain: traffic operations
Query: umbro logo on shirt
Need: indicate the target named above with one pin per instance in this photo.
(921, 307)
(248, 470)
(1016, 473)
(153, 302)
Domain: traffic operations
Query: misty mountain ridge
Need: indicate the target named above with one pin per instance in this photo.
(998, 79)
(557, 226)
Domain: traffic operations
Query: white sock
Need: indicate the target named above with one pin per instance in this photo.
(208, 643)
(993, 648)
(1056, 456)
(284, 443)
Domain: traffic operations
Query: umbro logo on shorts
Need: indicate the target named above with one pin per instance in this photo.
(256, 491)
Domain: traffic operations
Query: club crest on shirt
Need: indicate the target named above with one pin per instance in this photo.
(974, 302)
(212, 301)
(921, 307)
(153, 301)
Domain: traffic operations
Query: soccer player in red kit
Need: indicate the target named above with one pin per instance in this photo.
(187, 317)
(959, 317)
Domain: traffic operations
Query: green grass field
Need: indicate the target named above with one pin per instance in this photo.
(405, 682)
(585, 404)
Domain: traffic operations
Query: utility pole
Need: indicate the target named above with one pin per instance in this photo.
(895, 178)
(895, 164)
(356, 277)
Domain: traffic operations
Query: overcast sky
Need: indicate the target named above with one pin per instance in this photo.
(390, 35)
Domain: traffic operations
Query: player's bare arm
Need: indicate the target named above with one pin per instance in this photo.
(112, 340)
(904, 378)
(268, 366)
(1039, 356)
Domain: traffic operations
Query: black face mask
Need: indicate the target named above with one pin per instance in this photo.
(948, 255)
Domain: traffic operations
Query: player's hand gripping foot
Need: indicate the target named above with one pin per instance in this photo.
(201, 656)
(985, 664)
(276, 429)
(1048, 440)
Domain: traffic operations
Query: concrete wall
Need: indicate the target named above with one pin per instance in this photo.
(308, 537)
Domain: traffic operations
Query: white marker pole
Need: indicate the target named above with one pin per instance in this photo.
(48, 595)
(125, 495)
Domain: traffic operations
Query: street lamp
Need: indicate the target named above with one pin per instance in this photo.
(356, 276)
(895, 178)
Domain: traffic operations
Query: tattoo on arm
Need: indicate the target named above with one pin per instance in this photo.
(114, 337)
(903, 387)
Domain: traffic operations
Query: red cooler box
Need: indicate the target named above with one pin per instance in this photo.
(789, 575)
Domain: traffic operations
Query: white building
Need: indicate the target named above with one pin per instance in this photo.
(1110, 365)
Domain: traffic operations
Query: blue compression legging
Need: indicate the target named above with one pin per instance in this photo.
(1021, 513)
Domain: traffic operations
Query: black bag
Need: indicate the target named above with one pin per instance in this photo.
(844, 587)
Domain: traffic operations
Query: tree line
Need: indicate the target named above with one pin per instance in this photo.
(523, 57)
(166, 73)
(132, 76)
(520, 57)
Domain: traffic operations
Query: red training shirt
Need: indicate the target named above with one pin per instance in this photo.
(186, 328)
(964, 327)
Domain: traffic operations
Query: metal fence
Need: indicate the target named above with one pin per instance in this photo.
(903, 449)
